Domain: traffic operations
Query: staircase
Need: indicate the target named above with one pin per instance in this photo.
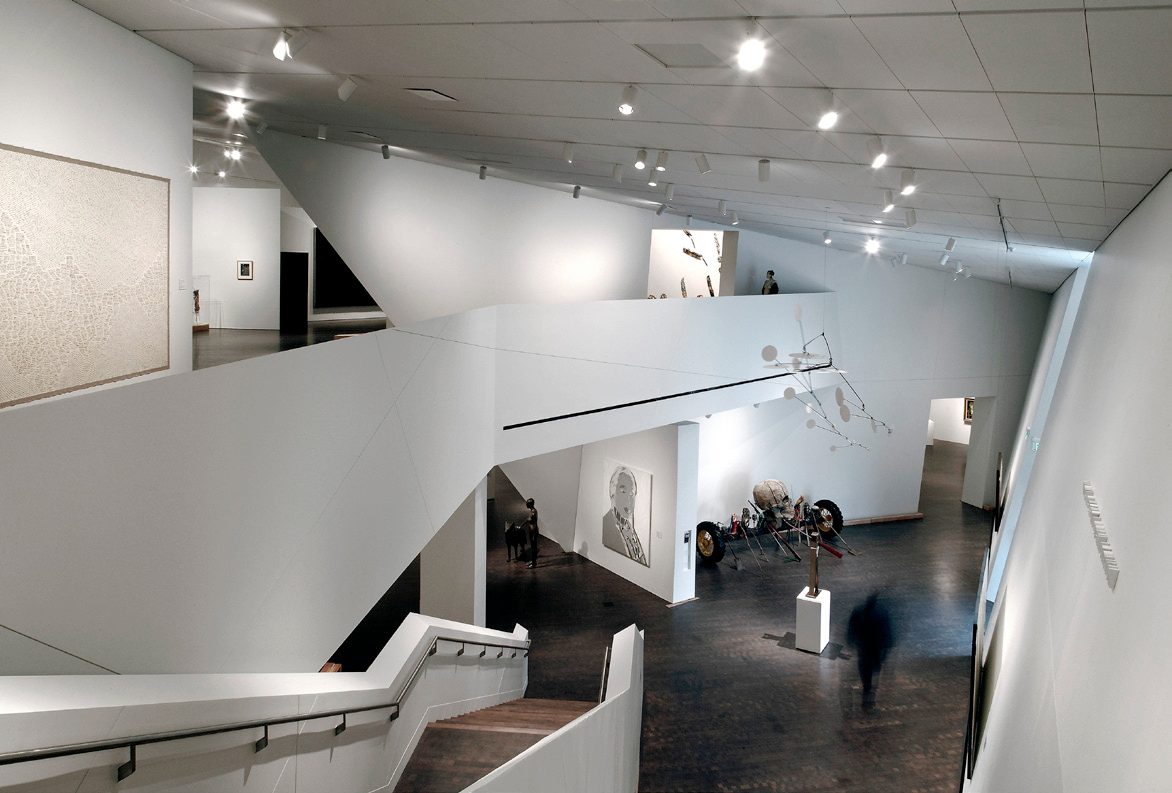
(454, 753)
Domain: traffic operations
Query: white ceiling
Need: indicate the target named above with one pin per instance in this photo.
(1062, 110)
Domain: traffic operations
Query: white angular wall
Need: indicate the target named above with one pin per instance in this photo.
(1083, 693)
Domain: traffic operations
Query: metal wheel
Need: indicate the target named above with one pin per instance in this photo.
(709, 543)
(828, 518)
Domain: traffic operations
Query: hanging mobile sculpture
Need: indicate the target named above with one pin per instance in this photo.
(803, 365)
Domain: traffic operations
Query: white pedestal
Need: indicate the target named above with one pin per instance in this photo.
(813, 621)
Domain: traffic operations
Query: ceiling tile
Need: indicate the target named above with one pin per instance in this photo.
(1130, 50)
(678, 9)
(926, 52)
(1013, 5)
(616, 9)
(1072, 191)
(586, 51)
(791, 7)
(811, 145)
(1142, 121)
(1022, 188)
(1083, 231)
(1051, 118)
(896, 6)
(742, 106)
(723, 38)
(965, 115)
(833, 51)
(506, 10)
(1092, 216)
(925, 154)
(957, 184)
(1033, 52)
(972, 204)
(140, 15)
(753, 141)
(1030, 210)
(1140, 166)
(987, 222)
(888, 112)
(985, 156)
(1063, 161)
(1025, 226)
(1124, 196)
(810, 104)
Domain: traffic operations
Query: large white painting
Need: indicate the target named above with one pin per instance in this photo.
(84, 274)
(626, 526)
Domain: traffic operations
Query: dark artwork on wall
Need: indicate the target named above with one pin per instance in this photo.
(335, 288)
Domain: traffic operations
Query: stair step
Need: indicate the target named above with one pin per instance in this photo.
(455, 752)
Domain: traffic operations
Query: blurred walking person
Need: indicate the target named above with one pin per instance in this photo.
(870, 633)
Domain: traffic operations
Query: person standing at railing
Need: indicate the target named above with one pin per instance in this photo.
(530, 525)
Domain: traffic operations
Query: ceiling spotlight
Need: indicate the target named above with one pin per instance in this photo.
(483, 172)
(568, 152)
(826, 237)
(235, 109)
(733, 216)
(872, 245)
(903, 259)
(222, 174)
(829, 115)
(876, 152)
(907, 182)
(347, 89)
(627, 106)
(910, 217)
(193, 168)
(234, 154)
(660, 209)
(652, 180)
(387, 154)
(661, 162)
(688, 220)
(261, 129)
(669, 191)
(948, 245)
(959, 267)
(702, 164)
(321, 132)
(721, 207)
(297, 43)
(228, 153)
(888, 201)
(943, 259)
(751, 55)
(641, 159)
(577, 190)
(616, 173)
(281, 48)
(968, 273)
(762, 170)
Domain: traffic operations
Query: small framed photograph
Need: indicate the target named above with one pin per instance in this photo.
(243, 270)
(969, 404)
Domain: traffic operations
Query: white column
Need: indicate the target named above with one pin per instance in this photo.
(687, 485)
(452, 571)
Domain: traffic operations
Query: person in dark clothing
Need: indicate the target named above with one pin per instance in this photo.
(870, 633)
(531, 528)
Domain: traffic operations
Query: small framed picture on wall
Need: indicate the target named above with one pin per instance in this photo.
(243, 270)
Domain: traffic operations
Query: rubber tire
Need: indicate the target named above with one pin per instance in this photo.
(709, 544)
(824, 526)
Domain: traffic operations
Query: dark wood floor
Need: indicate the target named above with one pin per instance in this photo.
(730, 705)
(219, 346)
(454, 753)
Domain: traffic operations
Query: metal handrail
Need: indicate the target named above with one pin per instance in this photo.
(134, 741)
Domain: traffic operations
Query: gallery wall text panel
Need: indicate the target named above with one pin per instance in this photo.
(84, 274)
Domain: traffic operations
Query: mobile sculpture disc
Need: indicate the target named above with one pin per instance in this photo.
(803, 366)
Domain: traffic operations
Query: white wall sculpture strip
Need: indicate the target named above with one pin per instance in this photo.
(1106, 552)
(84, 274)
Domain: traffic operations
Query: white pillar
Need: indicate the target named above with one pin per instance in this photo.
(687, 486)
(452, 572)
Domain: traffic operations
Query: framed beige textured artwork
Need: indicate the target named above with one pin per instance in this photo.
(84, 274)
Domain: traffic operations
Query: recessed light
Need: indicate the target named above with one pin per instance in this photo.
(872, 245)
(751, 55)
(193, 168)
(222, 174)
(235, 109)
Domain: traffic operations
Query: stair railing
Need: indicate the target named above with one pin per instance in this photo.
(134, 741)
